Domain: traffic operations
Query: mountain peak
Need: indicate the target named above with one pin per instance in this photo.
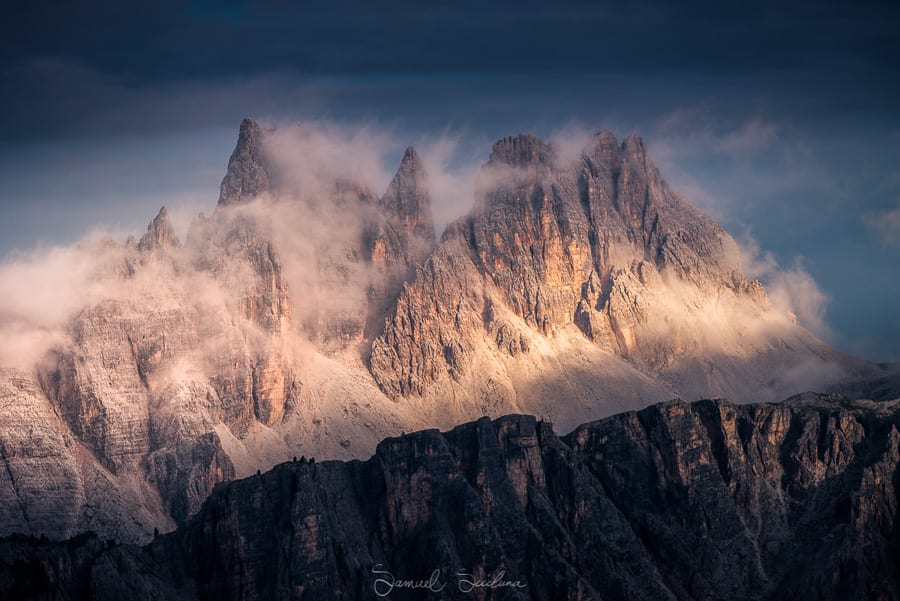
(248, 172)
(411, 160)
(160, 233)
(407, 197)
(249, 127)
(522, 150)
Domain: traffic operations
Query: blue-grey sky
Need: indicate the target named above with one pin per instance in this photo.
(781, 121)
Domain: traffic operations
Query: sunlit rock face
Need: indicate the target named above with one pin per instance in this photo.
(309, 315)
(597, 243)
(704, 500)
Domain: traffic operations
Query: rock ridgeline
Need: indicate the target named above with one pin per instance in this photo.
(706, 500)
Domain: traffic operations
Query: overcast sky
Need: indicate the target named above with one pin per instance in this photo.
(782, 122)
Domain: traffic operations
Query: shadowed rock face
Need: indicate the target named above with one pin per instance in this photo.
(678, 501)
(248, 169)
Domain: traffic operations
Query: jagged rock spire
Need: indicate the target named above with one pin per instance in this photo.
(160, 233)
(248, 172)
(407, 198)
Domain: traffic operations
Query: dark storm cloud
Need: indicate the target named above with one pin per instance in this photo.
(173, 39)
(63, 60)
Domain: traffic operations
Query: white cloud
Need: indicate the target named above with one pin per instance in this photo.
(791, 290)
(698, 130)
(452, 170)
(885, 225)
(751, 136)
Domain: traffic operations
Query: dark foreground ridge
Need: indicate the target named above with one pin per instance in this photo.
(708, 500)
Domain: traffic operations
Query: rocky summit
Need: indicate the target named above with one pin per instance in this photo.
(310, 315)
(704, 500)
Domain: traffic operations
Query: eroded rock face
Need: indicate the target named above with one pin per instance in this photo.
(35, 454)
(51, 482)
(677, 501)
(430, 332)
(99, 389)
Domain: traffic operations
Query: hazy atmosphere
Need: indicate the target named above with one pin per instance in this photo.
(782, 123)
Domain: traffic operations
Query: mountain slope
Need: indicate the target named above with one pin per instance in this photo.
(309, 315)
(677, 501)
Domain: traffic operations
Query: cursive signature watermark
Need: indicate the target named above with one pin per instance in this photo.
(469, 582)
(386, 583)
